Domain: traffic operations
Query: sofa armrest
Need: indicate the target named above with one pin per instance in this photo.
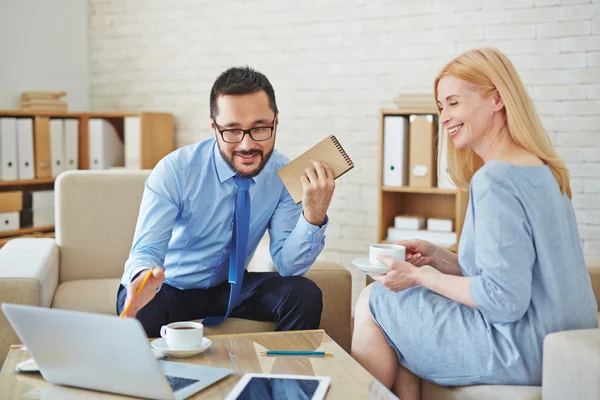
(28, 275)
(336, 284)
(571, 366)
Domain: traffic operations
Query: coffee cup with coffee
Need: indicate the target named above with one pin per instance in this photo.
(394, 251)
(183, 335)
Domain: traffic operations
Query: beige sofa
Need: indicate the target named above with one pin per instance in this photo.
(96, 212)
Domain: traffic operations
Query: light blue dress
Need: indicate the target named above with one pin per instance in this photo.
(520, 246)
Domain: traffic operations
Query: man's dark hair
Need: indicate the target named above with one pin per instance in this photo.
(240, 80)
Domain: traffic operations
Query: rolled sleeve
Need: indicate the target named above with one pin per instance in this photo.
(312, 233)
(295, 243)
(504, 255)
(133, 272)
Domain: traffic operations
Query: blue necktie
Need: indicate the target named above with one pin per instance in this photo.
(239, 246)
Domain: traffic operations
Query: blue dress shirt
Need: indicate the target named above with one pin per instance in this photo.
(185, 222)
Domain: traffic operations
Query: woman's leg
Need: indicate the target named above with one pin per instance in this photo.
(407, 385)
(369, 346)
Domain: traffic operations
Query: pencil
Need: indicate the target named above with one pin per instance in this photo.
(296, 353)
(126, 309)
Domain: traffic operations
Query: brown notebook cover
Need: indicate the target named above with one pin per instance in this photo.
(328, 151)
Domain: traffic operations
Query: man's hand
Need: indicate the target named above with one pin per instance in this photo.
(318, 185)
(147, 293)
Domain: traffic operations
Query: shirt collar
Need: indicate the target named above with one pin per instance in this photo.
(224, 171)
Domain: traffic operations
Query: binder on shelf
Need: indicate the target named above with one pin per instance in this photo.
(25, 170)
(57, 146)
(38, 199)
(422, 142)
(444, 179)
(11, 201)
(329, 151)
(71, 144)
(8, 148)
(105, 146)
(38, 208)
(9, 221)
(41, 144)
(395, 150)
(37, 218)
(133, 127)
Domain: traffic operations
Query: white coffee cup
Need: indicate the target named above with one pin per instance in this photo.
(394, 251)
(183, 335)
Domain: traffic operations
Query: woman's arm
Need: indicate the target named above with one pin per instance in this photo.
(446, 261)
(422, 252)
(403, 275)
(457, 288)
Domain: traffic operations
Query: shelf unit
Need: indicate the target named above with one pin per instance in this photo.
(156, 141)
(430, 202)
(25, 183)
(26, 231)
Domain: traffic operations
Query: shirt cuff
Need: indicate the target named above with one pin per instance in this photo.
(139, 271)
(135, 272)
(482, 299)
(311, 232)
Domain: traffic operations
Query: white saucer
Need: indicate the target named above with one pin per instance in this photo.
(160, 345)
(365, 266)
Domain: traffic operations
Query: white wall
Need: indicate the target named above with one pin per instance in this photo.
(335, 63)
(44, 46)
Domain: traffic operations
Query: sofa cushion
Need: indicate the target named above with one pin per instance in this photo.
(431, 391)
(92, 295)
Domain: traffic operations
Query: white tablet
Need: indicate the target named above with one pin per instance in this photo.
(279, 387)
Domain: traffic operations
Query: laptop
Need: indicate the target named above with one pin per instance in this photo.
(104, 353)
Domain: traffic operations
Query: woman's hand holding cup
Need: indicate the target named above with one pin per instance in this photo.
(418, 252)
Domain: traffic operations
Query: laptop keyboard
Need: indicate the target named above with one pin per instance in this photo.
(178, 383)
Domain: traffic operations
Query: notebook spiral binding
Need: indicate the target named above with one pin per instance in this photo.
(342, 151)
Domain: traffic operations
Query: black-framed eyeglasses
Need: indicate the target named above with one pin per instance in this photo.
(258, 134)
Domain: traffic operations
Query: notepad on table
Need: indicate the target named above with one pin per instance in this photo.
(328, 151)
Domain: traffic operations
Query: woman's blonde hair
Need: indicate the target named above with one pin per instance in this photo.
(491, 70)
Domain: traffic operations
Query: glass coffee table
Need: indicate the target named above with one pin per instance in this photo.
(239, 352)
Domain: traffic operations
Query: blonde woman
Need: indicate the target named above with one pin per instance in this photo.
(519, 273)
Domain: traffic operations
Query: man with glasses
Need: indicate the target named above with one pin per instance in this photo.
(206, 207)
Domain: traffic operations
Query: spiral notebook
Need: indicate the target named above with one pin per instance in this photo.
(329, 151)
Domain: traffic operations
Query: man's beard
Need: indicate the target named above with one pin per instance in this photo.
(263, 161)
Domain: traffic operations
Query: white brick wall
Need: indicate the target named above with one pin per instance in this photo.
(335, 63)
